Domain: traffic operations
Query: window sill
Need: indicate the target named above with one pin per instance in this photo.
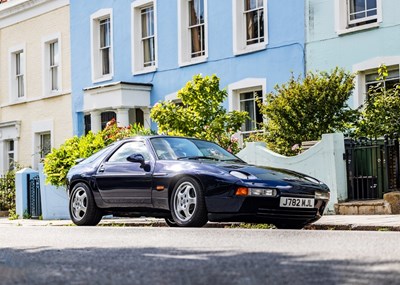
(102, 79)
(56, 94)
(145, 70)
(250, 49)
(193, 61)
(357, 29)
(15, 103)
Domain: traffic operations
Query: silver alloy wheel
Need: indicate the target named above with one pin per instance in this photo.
(79, 204)
(185, 201)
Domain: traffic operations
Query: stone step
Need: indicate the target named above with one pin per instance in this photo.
(367, 207)
(390, 204)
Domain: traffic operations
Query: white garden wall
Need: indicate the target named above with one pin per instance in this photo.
(323, 161)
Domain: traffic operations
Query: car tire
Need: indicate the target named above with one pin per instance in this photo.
(82, 207)
(188, 208)
(171, 222)
(290, 226)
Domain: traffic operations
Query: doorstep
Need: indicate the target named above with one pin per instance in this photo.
(367, 207)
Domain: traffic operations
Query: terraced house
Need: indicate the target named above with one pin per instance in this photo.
(127, 55)
(358, 35)
(35, 102)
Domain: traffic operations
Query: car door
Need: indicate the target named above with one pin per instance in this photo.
(124, 183)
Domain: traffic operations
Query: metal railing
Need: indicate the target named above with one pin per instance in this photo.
(34, 200)
(372, 167)
(242, 136)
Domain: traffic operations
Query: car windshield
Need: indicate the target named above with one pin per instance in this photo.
(183, 148)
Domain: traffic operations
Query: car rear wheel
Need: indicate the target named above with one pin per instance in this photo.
(188, 207)
(82, 207)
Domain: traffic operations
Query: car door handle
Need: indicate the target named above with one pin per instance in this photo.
(101, 169)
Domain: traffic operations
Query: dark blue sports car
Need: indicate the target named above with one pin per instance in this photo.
(189, 182)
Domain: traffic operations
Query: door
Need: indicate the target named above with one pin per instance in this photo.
(125, 183)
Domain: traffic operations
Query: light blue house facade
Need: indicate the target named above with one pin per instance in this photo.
(127, 55)
(358, 35)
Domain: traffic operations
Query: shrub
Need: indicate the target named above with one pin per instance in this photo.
(201, 114)
(380, 113)
(60, 160)
(7, 191)
(304, 109)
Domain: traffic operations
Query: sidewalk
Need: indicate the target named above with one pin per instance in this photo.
(328, 222)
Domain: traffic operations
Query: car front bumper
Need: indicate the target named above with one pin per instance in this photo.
(260, 210)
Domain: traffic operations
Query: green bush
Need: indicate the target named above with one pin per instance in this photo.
(7, 191)
(380, 113)
(60, 160)
(304, 109)
(201, 114)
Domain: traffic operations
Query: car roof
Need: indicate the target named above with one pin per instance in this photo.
(138, 137)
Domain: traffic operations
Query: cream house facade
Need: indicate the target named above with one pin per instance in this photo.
(35, 88)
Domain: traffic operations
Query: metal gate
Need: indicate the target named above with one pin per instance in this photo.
(34, 200)
(372, 167)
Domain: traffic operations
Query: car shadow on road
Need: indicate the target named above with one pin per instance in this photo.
(180, 266)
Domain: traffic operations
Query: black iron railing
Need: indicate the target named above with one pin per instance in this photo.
(34, 200)
(372, 167)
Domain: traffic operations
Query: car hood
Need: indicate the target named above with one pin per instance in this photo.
(273, 176)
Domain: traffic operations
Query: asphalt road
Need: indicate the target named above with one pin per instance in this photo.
(140, 255)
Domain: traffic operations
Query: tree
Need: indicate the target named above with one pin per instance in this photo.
(304, 109)
(380, 114)
(201, 114)
(59, 161)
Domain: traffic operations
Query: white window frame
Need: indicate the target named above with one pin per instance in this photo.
(240, 45)
(39, 128)
(97, 73)
(47, 76)
(246, 85)
(136, 31)
(8, 152)
(342, 18)
(250, 90)
(366, 67)
(8, 131)
(13, 81)
(184, 42)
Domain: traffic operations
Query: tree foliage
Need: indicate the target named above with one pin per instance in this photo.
(304, 109)
(60, 160)
(201, 114)
(380, 113)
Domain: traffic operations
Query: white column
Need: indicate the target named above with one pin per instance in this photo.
(123, 117)
(95, 121)
(146, 117)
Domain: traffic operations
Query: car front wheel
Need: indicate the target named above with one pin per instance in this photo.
(188, 207)
(82, 207)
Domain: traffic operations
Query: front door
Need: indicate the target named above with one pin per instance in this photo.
(126, 183)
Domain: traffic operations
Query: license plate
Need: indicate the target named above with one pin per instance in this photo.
(289, 202)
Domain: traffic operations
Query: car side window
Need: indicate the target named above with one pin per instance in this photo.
(128, 149)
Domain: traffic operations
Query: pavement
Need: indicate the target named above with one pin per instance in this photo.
(328, 222)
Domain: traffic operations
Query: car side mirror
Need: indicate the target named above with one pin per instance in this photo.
(139, 158)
